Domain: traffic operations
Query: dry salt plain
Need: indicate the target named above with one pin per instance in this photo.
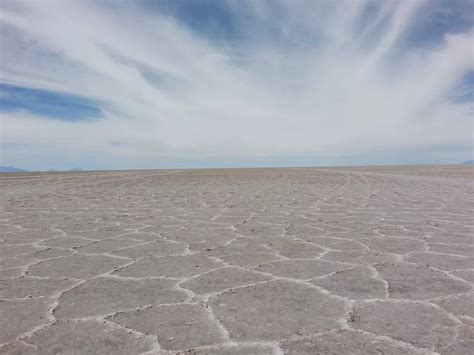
(251, 261)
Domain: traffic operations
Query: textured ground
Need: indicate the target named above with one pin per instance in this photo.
(304, 261)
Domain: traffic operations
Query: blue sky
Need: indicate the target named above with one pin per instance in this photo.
(207, 83)
(46, 103)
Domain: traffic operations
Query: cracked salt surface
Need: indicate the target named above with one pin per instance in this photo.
(250, 261)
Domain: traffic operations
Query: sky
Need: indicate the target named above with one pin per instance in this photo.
(233, 83)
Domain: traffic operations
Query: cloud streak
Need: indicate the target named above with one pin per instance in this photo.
(288, 78)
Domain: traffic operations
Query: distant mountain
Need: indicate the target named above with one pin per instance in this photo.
(77, 169)
(11, 169)
(468, 162)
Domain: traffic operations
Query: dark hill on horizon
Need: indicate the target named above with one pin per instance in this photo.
(11, 169)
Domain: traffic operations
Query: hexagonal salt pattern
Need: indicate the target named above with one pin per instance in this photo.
(250, 261)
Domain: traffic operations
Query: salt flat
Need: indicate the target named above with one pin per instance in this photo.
(250, 261)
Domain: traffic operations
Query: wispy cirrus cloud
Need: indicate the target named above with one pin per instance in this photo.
(243, 80)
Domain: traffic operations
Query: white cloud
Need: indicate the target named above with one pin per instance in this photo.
(319, 77)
